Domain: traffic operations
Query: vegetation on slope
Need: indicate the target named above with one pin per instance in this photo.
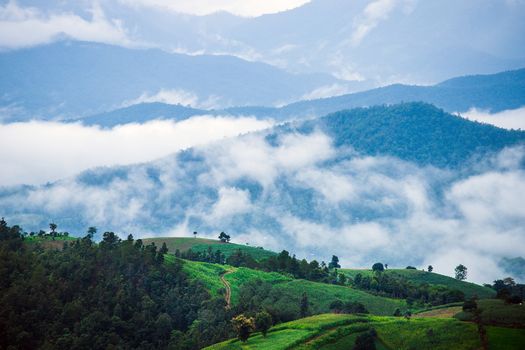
(320, 295)
(416, 132)
(423, 277)
(335, 331)
(202, 245)
(497, 312)
(115, 294)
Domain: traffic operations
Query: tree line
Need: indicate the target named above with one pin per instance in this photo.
(118, 294)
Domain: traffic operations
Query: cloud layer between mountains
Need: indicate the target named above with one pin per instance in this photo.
(297, 192)
(38, 151)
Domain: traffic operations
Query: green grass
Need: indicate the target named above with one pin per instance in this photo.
(274, 340)
(320, 295)
(497, 312)
(421, 277)
(289, 335)
(414, 334)
(240, 276)
(49, 242)
(183, 244)
(506, 338)
(208, 274)
(333, 332)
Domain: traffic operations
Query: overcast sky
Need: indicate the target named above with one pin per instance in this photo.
(248, 8)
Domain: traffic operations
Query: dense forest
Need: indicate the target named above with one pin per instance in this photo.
(416, 132)
(118, 294)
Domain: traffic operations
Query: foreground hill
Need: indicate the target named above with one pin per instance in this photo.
(421, 277)
(183, 244)
(332, 332)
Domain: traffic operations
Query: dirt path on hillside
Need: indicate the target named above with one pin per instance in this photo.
(228, 295)
(440, 313)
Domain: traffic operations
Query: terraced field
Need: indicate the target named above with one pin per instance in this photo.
(333, 331)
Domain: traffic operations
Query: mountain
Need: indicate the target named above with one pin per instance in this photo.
(493, 92)
(380, 42)
(383, 41)
(70, 79)
(141, 113)
(397, 181)
(415, 132)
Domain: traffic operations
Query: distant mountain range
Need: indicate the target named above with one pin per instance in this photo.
(494, 93)
(381, 42)
(71, 79)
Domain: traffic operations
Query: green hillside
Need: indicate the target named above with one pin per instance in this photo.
(336, 331)
(497, 312)
(320, 295)
(421, 277)
(184, 244)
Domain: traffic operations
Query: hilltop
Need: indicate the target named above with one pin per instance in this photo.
(423, 277)
(183, 244)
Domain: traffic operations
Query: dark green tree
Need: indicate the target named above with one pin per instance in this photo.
(378, 267)
(263, 322)
(304, 305)
(91, 232)
(461, 272)
(430, 268)
(334, 264)
(224, 238)
(164, 249)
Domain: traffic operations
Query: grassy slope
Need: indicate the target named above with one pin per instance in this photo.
(420, 277)
(49, 242)
(320, 295)
(331, 331)
(201, 245)
(497, 312)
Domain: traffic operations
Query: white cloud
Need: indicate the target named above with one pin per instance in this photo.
(375, 12)
(231, 201)
(251, 156)
(27, 26)
(508, 119)
(36, 152)
(326, 91)
(247, 8)
(174, 97)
